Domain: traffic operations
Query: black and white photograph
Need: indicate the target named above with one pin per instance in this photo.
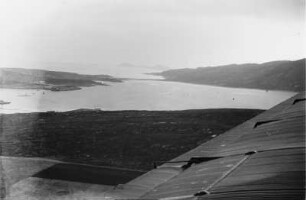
(152, 99)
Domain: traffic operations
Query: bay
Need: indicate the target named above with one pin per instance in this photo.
(140, 95)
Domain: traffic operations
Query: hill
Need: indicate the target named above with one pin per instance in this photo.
(127, 139)
(277, 75)
(49, 80)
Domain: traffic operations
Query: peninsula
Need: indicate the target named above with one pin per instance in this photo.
(18, 78)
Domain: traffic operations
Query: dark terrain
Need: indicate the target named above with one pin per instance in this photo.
(277, 75)
(49, 80)
(127, 139)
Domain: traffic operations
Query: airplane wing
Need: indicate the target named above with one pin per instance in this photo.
(263, 158)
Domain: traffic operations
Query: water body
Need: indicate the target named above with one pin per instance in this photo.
(140, 95)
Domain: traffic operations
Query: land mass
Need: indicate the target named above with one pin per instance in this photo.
(127, 139)
(277, 75)
(18, 78)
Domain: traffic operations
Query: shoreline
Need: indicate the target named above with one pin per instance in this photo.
(53, 88)
(220, 86)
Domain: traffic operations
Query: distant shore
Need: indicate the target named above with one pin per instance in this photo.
(128, 139)
(54, 88)
(276, 75)
(19, 78)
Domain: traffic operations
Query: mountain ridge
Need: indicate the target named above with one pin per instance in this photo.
(274, 75)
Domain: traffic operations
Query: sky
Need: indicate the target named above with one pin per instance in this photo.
(91, 35)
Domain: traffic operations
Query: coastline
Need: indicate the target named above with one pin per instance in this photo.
(54, 88)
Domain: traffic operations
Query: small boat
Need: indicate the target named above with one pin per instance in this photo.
(4, 102)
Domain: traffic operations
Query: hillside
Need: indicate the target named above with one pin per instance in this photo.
(127, 139)
(49, 80)
(277, 75)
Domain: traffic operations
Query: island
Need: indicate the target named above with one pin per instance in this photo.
(18, 78)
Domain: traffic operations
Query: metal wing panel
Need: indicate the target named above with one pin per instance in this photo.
(269, 170)
(272, 150)
(281, 134)
(144, 183)
(199, 177)
(219, 146)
